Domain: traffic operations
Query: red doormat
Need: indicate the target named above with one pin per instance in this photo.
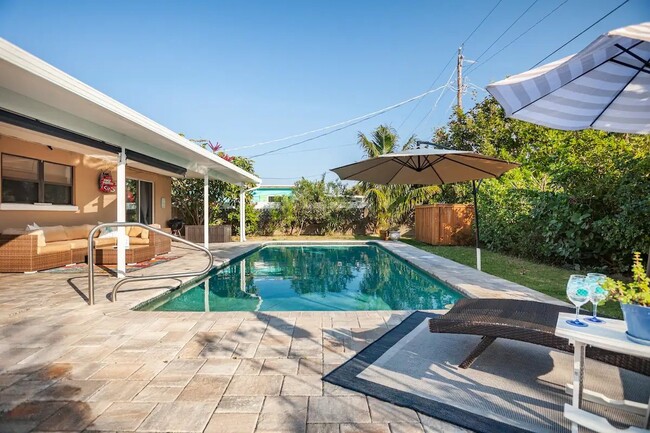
(82, 268)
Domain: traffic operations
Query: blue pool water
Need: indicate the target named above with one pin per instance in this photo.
(313, 278)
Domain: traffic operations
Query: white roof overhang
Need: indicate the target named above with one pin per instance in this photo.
(32, 88)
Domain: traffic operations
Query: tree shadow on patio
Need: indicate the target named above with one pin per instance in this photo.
(48, 400)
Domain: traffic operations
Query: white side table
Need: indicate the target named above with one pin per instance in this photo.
(609, 336)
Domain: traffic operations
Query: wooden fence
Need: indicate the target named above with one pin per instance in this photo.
(444, 224)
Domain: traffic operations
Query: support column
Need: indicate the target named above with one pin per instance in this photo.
(206, 210)
(242, 214)
(476, 221)
(121, 214)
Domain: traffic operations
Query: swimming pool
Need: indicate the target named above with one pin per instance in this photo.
(312, 278)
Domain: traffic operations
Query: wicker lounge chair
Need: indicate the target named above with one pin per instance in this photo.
(529, 321)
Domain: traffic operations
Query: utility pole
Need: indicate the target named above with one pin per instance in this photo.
(459, 79)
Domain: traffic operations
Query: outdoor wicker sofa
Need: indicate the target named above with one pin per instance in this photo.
(528, 321)
(56, 246)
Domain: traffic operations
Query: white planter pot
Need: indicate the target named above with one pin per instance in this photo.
(394, 235)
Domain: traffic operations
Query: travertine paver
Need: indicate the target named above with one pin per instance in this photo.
(122, 417)
(406, 428)
(246, 404)
(65, 366)
(280, 366)
(322, 428)
(382, 412)
(334, 409)
(116, 371)
(183, 416)
(226, 367)
(204, 388)
(283, 414)
(255, 385)
(159, 393)
(302, 385)
(365, 428)
(232, 423)
(119, 390)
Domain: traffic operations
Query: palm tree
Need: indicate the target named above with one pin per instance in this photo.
(390, 204)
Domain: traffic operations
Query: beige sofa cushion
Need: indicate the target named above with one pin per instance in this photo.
(135, 231)
(136, 240)
(77, 232)
(78, 243)
(54, 234)
(105, 242)
(54, 247)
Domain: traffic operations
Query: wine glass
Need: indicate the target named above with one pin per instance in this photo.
(596, 293)
(578, 293)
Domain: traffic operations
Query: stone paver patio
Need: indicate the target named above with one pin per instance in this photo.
(66, 366)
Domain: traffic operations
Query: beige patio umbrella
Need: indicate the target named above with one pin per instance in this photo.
(434, 165)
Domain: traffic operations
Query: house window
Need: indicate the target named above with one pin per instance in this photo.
(27, 180)
(275, 198)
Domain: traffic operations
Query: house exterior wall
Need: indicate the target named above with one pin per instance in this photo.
(93, 205)
(261, 195)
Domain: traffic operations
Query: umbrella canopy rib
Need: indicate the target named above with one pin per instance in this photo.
(620, 91)
(365, 169)
(645, 63)
(437, 174)
(396, 173)
(472, 167)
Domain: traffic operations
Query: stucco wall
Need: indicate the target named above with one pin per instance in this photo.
(93, 205)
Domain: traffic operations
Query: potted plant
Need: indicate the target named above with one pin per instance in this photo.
(635, 301)
(394, 234)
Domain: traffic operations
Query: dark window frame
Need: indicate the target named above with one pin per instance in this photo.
(41, 179)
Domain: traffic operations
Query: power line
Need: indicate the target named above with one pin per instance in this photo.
(297, 177)
(346, 124)
(520, 35)
(314, 149)
(343, 125)
(482, 21)
(504, 32)
(581, 33)
(435, 80)
(434, 105)
(442, 71)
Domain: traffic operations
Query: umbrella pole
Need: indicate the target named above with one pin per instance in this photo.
(478, 247)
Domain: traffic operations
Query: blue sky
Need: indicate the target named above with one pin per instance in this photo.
(243, 72)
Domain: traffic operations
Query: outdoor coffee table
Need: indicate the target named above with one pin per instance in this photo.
(610, 336)
(134, 254)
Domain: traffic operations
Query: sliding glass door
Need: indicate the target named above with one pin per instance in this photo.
(139, 201)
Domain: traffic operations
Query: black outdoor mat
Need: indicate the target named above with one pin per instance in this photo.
(513, 387)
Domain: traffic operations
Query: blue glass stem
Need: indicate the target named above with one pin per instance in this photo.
(594, 315)
(577, 314)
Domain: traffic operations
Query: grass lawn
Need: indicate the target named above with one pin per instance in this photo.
(547, 279)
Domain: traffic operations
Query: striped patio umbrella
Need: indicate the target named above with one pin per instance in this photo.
(605, 86)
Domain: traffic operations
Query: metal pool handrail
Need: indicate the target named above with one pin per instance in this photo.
(91, 260)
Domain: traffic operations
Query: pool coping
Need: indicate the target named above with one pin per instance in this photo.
(467, 281)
